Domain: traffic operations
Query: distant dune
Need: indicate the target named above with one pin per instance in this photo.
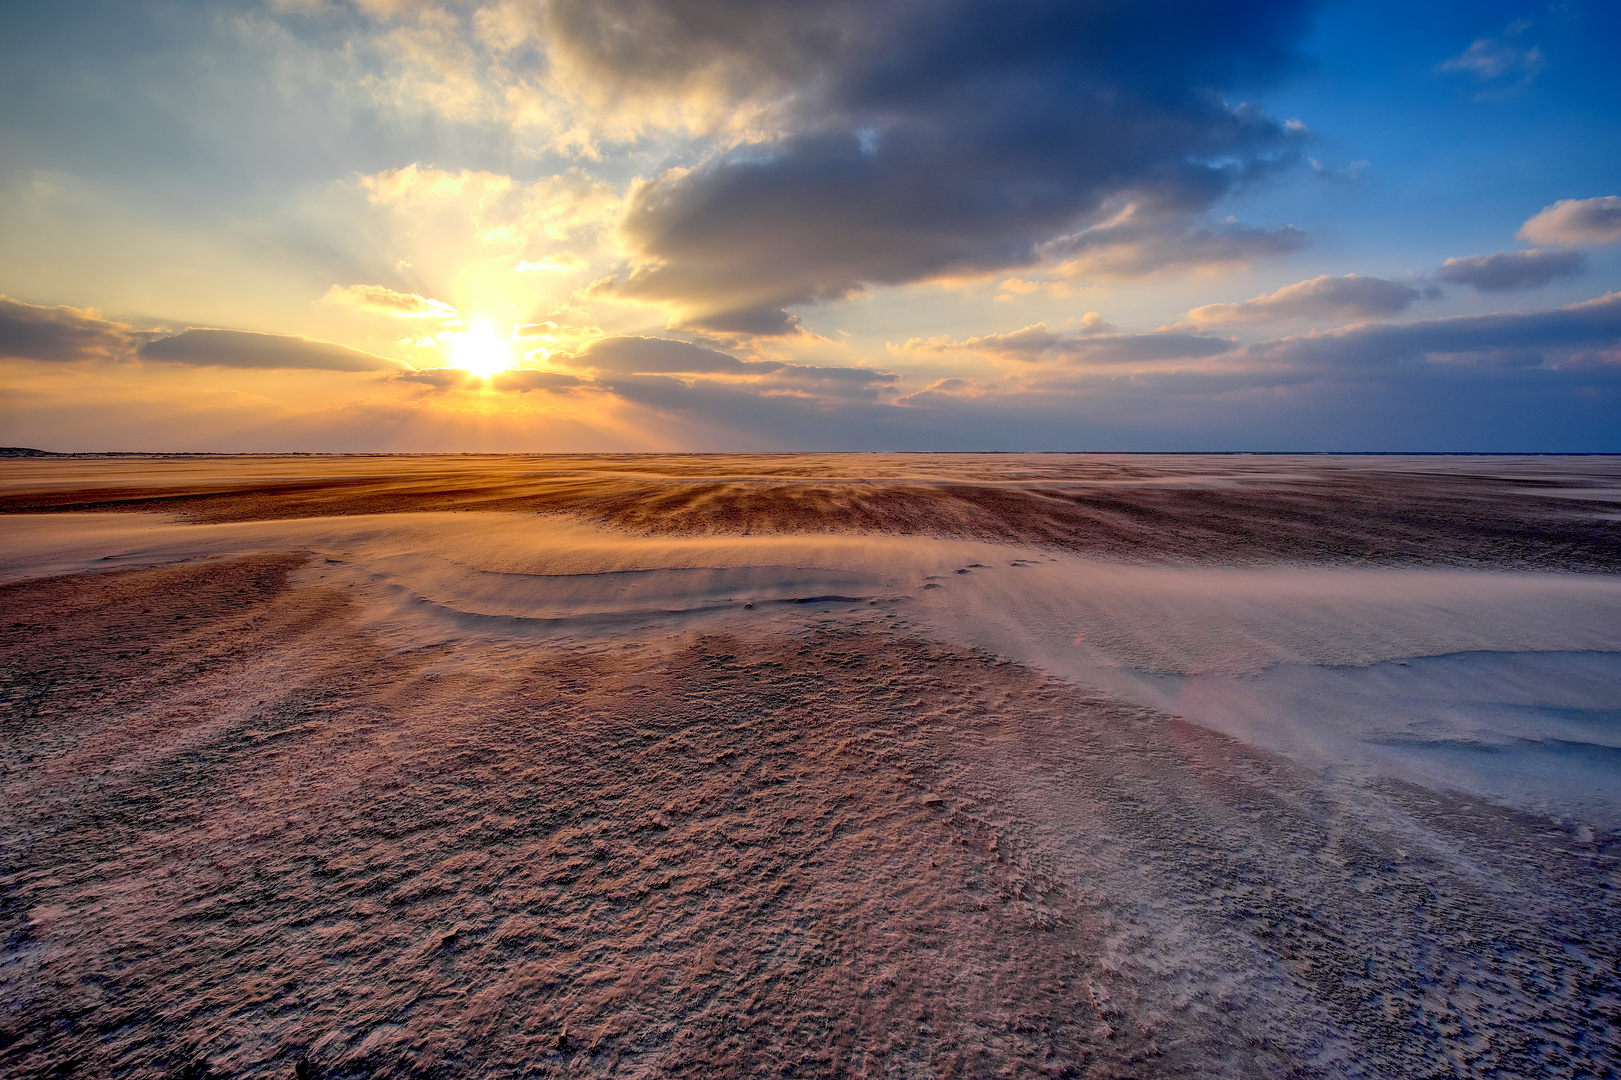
(812, 765)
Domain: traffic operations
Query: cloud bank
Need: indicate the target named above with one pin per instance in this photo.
(1518, 339)
(60, 334)
(908, 141)
(66, 335)
(637, 368)
(249, 349)
(1510, 270)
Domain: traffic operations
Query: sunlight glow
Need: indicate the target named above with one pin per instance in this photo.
(481, 351)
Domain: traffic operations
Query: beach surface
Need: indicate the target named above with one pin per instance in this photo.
(826, 765)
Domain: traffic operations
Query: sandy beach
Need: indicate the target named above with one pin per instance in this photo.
(813, 765)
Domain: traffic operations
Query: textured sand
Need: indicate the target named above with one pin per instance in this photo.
(1528, 512)
(269, 802)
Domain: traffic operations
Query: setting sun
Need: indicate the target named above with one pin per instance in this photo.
(481, 351)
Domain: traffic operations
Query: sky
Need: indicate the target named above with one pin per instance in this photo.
(649, 225)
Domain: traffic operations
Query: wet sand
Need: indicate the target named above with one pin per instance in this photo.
(318, 765)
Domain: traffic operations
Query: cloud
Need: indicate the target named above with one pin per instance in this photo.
(65, 334)
(563, 262)
(1035, 343)
(647, 356)
(417, 189)
(61, 334)
(1013, 287)
(1141, 239)
(1488, 58)
(1500, 61)
(525, 380)
(678, 375)
(445, 217)
(1509, 270)
(1351, 172)
(249, 349)
(497, 207)
(900, 142)
(385, 301)
(1349, 297)
(827, 382)
(1516, 338)
(621, 362)
(1576, 221)
(1538, 379)
(443, 378)
(514, 381)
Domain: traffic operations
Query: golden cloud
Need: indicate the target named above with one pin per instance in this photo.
(380, 300)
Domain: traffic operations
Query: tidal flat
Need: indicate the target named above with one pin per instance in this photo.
(820, 765)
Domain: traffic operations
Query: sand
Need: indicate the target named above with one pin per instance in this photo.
(849, 765)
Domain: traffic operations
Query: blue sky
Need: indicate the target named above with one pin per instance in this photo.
(716, 224)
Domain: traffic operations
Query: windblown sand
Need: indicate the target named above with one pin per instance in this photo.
(810, 765)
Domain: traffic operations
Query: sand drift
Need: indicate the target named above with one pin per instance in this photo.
(1507, 685)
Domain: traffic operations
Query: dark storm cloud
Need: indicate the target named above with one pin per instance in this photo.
(249, 349)
(61, 334)
(1509, 270)
(1349, 297)
(926, 139)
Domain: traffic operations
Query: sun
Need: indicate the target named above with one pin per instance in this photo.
(481, 351)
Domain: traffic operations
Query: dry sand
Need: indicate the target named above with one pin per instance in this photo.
(849, 765)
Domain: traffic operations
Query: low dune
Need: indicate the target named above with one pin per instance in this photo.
(999, 765)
